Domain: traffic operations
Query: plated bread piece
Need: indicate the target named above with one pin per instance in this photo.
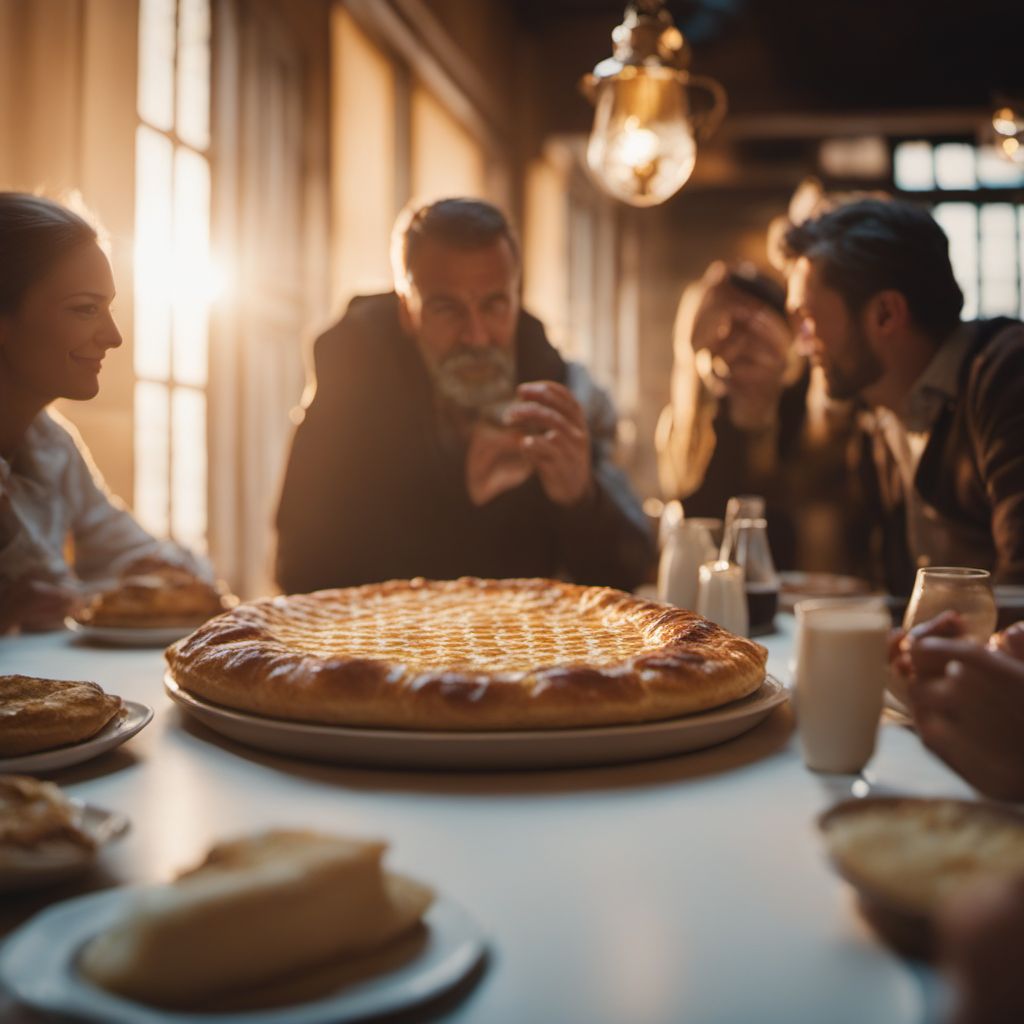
(256, 910)
(467, 654)
(41, 714)
(37, 820)
(167, 597)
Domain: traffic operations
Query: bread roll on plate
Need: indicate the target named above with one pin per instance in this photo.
(257, 909)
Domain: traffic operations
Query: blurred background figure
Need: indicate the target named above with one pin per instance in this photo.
(743, 419)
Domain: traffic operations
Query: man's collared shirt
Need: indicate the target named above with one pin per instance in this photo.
(932, 538)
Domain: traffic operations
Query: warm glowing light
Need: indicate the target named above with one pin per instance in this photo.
(642, 148)
(1011, 148)
(1007, 121)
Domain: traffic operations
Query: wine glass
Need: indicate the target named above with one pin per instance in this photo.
(939, 589)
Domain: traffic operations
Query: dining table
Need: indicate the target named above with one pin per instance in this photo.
(691, 888)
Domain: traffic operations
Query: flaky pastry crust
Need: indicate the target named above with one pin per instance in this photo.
(155, 600)
(467, 654)
(40, 714)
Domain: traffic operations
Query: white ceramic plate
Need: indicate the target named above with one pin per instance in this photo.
(63, 861)
(124, 636)
(542, 748)
(37, 966)
(133, 717)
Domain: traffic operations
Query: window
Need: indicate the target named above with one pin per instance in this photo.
(173, 271)
(977, 198)
(392, 139)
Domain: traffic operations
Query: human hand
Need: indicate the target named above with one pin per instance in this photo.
(1010, 640)
(753, 347)
(495, 462)
(948, 624)
(981, 945)
(554, 439)
(967, 701)
(35, 605)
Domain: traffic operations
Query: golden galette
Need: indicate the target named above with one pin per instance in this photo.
(468, 654)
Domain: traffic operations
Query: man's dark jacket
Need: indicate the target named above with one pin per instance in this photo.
(972, 469)
(371, 492)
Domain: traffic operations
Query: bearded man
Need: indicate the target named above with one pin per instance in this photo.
(447, 437)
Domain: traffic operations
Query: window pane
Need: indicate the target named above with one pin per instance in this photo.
(998, 260)
(151, 457)
(188, 518)
(192, 271)
(362, 136)
(153, 266)
(156, 63)
(194, 73)
(1020, 258)
(960, 222)
(954, 166)
(995, 171)
(912, 167)
(446, 160)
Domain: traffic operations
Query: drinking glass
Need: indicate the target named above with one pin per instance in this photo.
(746, 545)
(842, 667)
(967, 591)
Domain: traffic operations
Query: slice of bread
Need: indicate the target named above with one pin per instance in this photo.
(255, 910)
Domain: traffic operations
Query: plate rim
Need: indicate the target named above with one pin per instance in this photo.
(742, 708)
(463, 942)
(130, 635)
(111, 826)
(112, 735)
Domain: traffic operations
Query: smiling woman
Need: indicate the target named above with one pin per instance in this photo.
(56, 327)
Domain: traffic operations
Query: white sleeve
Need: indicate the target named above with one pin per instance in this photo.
(107, 537)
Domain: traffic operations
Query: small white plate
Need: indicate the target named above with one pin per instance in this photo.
(63, 861)
(125, 636)
(524, 749)
(123, 726)
(37, 966)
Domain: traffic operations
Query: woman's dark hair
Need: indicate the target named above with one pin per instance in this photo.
(746, 278)
(460, 223)
(34, 234)
(872, 245)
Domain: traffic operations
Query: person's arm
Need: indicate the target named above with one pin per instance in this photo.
(108, 540)
(342, 497)
(968, 705)
(605, 538)
(997, 412)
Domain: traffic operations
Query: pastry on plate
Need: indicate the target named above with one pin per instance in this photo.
(468, 654)
(37, 822)
(906, 857)
(41, 714)
(257, 909)
(165, 597)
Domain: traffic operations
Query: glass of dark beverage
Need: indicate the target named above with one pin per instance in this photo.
(747, 545)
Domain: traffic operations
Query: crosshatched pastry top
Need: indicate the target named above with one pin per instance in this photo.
(466, 654)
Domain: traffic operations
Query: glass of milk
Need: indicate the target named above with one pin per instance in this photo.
(841, 671)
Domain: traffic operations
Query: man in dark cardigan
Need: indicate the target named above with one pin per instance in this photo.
(873, 294)
(447, 437)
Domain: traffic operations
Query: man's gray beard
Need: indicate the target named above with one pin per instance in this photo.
(474, 396)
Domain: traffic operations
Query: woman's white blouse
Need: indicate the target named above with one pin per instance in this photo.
(58, 520)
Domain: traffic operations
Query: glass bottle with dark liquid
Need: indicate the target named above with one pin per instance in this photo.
(747, 545)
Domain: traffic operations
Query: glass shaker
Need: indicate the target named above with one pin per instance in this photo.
(746, 545)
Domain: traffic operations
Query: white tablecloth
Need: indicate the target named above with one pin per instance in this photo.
(688, 889)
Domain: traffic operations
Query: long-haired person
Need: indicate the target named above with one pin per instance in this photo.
(62, 534)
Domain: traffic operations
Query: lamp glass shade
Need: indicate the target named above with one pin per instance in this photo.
(642, 148)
